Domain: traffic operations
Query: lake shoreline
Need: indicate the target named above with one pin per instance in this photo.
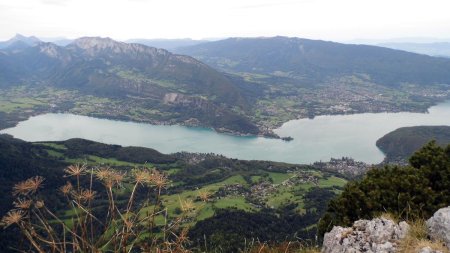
(12, 121)
(317, 139)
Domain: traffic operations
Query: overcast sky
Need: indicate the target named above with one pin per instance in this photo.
(338, 20)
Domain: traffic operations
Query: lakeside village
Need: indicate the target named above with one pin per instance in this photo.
(260, 190)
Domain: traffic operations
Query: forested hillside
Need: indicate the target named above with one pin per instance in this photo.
(400, 144)
(315, 60)
(256, 191)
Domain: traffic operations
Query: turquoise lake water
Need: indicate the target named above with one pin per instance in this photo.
(316, 139)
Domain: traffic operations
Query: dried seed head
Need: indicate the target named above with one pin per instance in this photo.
(187, 205)
(66, 189)
(142, 176)
(117, 177)
(204, 195)
(87, 195)
(110, 177)
(35, 183)
(12, 217)
(103, 173)
(21, 188)
(39, 204)
(159, 179)
(23, 203)
(75, 170)
(28, 186)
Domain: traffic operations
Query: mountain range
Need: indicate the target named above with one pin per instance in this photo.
(317, 60)
(86, 63)
(105, 67)
(237, 85)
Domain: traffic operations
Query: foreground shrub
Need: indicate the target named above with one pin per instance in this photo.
(410, 192)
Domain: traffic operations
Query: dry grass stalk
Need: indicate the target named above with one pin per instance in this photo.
(417, 239)
(390, 216)
(286, 247)
(23, 203)
(120, 230)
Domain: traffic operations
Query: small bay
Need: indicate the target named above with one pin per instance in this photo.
(316, 139)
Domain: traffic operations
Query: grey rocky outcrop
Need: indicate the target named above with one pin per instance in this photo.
(370, 236)
(439, 226)
(429, 250)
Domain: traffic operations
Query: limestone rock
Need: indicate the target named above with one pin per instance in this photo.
(370, 236)
(429, 250)
(439, 226)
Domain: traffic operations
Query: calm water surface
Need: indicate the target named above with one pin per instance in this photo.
(314, 139)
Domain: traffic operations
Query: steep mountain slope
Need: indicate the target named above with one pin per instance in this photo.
(318, 60)
(297, 78)
(133, 72)
(99, 63)
(400, 144)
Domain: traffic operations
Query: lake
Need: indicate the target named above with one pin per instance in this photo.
(316, 139)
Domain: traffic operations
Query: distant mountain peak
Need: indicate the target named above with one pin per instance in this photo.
(20, 41)
(94, 45)
(30, 39)
(18, 36)
(96, 42)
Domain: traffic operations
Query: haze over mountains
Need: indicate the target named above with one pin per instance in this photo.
(244, 90)
(20, 41)
(318, 60)
(441, 49)
(241, 86)
(168, 44)
(420, 45)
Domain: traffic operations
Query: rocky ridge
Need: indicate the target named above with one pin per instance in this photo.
(381, 235)
(377, 235)
(439, 226)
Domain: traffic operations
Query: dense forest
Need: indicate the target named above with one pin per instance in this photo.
(401, 143)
